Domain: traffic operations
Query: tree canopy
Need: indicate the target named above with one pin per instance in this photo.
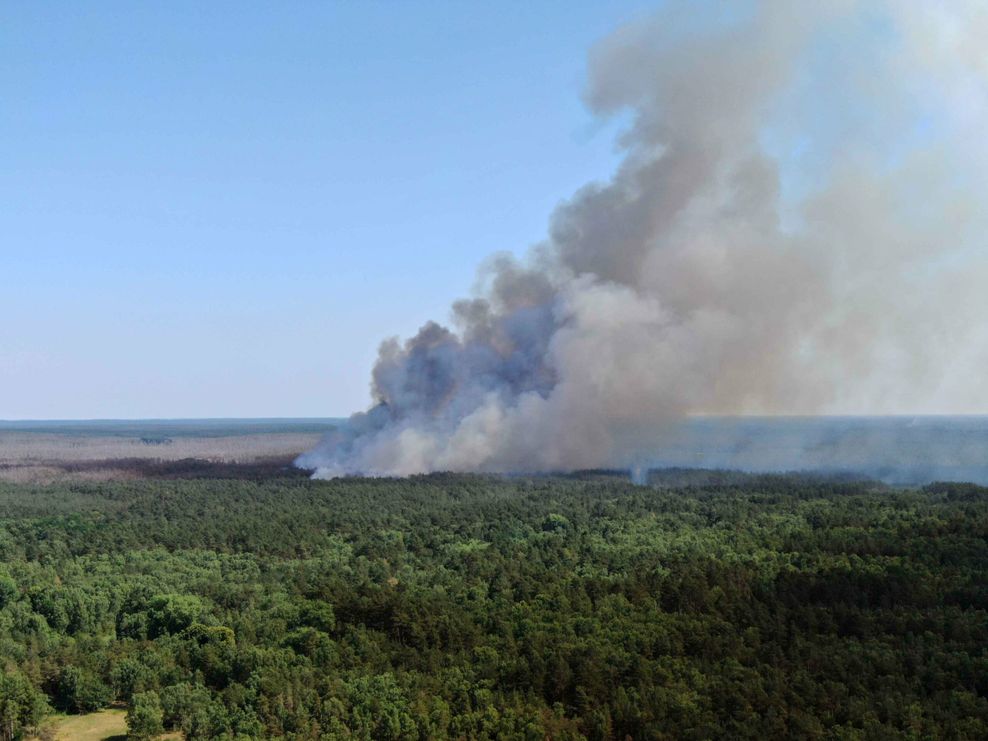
(482, 607)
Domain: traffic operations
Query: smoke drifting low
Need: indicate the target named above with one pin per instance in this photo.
(797, 227)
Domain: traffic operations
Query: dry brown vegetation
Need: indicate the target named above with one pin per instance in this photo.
(43, 458)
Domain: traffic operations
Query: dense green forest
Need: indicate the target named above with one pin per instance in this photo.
(481, 608)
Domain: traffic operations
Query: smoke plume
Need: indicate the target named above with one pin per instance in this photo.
(797, 227)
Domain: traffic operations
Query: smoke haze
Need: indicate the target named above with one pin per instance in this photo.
(797, 227)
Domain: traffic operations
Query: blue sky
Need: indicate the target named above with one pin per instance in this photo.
(220, 209)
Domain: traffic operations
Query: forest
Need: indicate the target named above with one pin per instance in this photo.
(479, 607)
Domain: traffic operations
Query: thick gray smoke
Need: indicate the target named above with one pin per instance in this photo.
(798, 226)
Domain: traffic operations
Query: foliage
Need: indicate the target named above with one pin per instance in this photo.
(481, 607)
(144, 716)
(21, 706)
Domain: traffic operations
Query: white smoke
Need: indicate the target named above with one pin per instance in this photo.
(798, 226)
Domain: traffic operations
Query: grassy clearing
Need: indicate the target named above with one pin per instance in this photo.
(101, 726)
(106, 725)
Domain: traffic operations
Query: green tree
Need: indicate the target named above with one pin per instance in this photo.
(144, 716)
(8, 590)
(21, 706)
(129, 676)
(80, 691)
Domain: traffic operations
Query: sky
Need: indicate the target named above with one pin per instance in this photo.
(221, 209)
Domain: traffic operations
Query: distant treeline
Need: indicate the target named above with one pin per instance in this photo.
(162, 428)
(749, 607)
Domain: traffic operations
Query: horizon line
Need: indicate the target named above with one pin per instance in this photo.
(843, 415)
